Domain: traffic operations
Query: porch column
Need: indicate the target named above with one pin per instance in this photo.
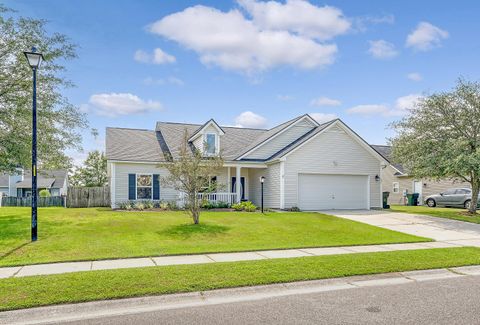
(238, 183)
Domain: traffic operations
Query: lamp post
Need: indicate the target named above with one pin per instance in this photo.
(262, 180)
(34, 59)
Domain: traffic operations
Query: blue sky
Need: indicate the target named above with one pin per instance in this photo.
(259, 63)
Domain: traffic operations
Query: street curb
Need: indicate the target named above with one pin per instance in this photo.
(120, 307)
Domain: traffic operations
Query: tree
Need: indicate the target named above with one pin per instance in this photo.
(190, 174)
(58, 121)
(93, 173)
(440, 138)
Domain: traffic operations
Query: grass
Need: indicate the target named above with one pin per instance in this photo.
(27, 292)
(448, 213)
(100, 233)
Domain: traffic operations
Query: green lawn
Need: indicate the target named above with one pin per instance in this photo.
(100, 233)
(96, 285)
(449, 213)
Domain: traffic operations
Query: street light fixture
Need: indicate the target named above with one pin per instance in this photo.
(34, 60)
(262, 180)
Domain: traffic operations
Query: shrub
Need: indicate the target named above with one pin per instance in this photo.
(249, 206)
(139, 205)
(44, 193)
(294, 209)
(244, 206)
(223, 205)
(237, 206)
(172, 205)
(148, 204)
(164, 205)
(125, 205)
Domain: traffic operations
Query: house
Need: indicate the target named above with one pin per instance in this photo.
(19, 184)
(305, 164)
(395, 179)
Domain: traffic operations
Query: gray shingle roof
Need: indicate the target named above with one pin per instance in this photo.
(133, 145)
(45, 178)
(232, 143)
(386, 152)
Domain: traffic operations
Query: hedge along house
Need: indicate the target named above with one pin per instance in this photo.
(305, 164)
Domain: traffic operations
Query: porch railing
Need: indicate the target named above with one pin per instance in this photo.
(227, 197)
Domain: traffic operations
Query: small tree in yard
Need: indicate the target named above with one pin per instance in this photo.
(93, 173)
(440, 138)
(190, 174)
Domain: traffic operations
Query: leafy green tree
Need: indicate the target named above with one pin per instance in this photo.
(58, 121)
(440, 138)
(191, 174)
(93, 173)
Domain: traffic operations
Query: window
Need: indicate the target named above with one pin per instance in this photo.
(144, 187)
(463, 191)
(211, 143)
(449, 192)
(396, 187)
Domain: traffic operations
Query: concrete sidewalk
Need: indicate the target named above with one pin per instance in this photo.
(58, 268)
(98, 310)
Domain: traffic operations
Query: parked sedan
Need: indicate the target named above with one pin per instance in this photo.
(455, 197)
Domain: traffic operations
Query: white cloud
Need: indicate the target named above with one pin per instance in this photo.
(158, 57)
(249, 119)
(426, 37)
(382, 49)
(404, 103)
(361, 23)
(325, 101)
(233, 42)
(297, 16)
(414, 76)
(401, 107)
(371, 109)
(284, 98)
(323, 117)
(116, 104)
(149, 81)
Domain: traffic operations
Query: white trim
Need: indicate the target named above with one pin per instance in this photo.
(136, 187)
(267, 140)
(217, 144)
(238, 183)
(200, 131)
(113, 201)
(369, 204)
(244, 164)
(350, 133)
(282, 185)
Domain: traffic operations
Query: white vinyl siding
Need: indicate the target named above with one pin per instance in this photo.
(277, 143)
(121, 180)
(331, 152)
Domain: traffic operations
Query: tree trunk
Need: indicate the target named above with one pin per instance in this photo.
(475, 189)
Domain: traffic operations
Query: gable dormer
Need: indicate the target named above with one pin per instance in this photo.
(207, 138)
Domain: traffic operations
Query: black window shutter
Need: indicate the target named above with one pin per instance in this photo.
(132, 188)
(156, 187)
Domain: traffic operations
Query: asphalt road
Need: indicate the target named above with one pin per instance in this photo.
(446, 301)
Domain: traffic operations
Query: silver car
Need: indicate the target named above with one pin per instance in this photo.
(454, 197)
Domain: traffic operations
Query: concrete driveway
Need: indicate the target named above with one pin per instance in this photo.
(445, 230)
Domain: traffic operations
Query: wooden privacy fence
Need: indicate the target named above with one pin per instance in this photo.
(88, 197)
(52, 201)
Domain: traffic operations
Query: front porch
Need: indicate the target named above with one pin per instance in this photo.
(231, 191)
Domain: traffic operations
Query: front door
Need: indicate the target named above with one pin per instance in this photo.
(417, 188)
(242, 186)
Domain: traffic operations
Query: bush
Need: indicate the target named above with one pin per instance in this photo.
(44, 193)
(215, 205)
(148, 204)
(139, 205)
(294, 209)
(172, 205)
(163, 205)
(244, 206)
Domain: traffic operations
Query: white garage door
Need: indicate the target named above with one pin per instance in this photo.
(323, 192)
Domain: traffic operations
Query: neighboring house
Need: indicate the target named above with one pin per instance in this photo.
(19, 184)
(305, 164)
(397, 181)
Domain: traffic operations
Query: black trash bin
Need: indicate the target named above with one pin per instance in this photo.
(385, 200)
